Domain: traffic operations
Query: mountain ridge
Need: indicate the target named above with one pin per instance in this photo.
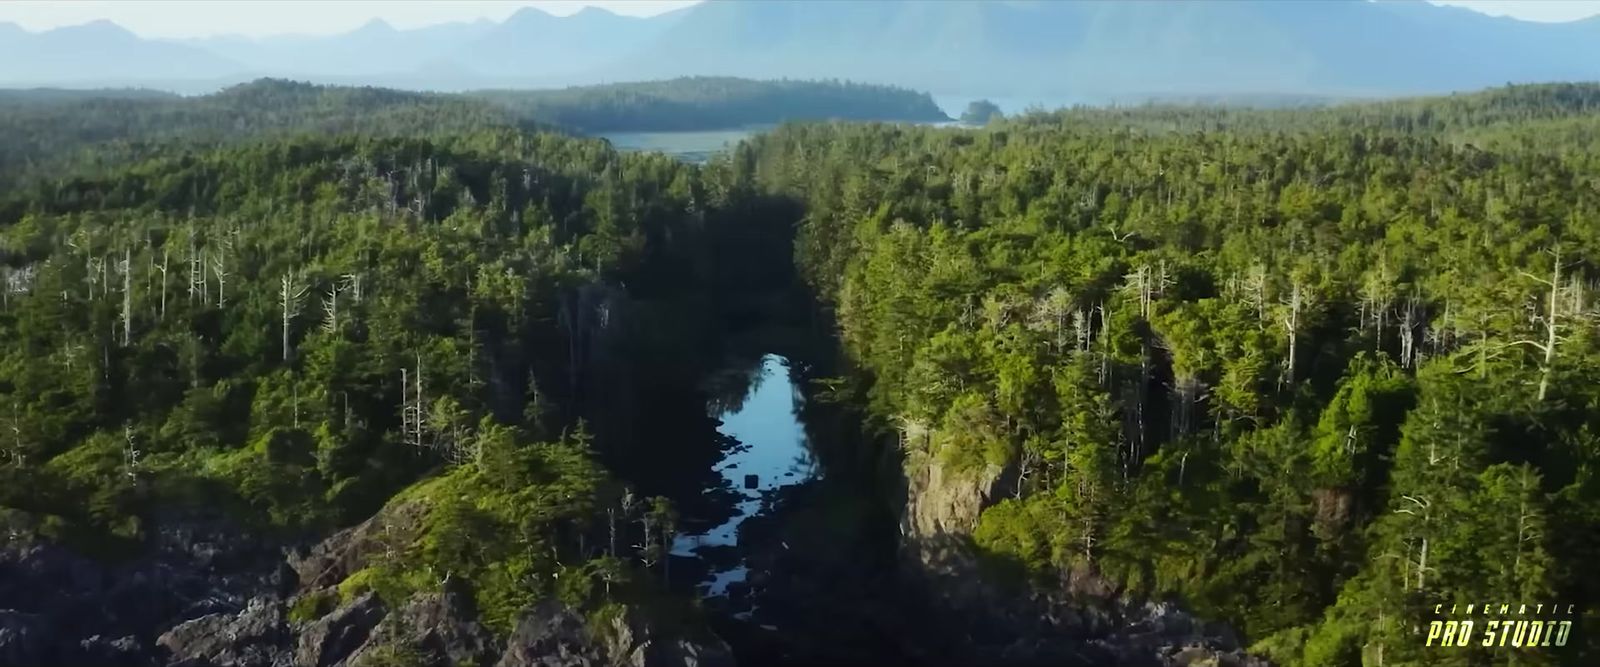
(1088, 49)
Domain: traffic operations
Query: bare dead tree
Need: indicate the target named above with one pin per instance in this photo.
(1139, 284)
(130, 452)
(1027, 464)
(1376, 299)
(95, 269)
(291, 293)
(1409, 321)
(1422, 508)
(1550, 321)
(413, 407)
(330, 310)
(219, 269)
(16, 452)
(1292, 319)
(352, 283)
(197, 271)
(1104, 372)
(162, 268)
(127, 295)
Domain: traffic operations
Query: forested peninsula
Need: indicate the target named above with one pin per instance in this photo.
(709, 103)
(353, 376)
(46, 129)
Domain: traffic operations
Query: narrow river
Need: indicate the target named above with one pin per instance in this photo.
(766, 450)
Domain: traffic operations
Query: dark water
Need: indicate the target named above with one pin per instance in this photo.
(768, 451)
(796, 564)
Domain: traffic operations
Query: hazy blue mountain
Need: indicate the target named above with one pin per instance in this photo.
(376, 48)
(100, 53)
(957, 43)
(1003, 49)
(1110, 48)
(532, 44)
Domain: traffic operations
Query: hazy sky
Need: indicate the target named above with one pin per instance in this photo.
(1531, 10)
(192, 18)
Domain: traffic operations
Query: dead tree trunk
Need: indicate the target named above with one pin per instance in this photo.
(290, 295)
(127, 296)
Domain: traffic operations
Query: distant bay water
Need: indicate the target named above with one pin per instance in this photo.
(699, 145)
(692, 146)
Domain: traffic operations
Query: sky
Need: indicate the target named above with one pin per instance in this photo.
(1531, 10)
(193, 18)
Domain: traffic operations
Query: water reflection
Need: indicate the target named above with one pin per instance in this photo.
(767, 451)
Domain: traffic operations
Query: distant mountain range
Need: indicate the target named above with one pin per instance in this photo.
(1084, 50)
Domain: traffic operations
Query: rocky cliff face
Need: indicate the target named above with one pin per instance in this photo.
(997, 626)
(208, 596)
(942, 505)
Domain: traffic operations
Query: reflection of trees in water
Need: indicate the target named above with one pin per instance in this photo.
(727, 389)
(804, 463)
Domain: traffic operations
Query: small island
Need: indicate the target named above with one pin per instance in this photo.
(980, 112)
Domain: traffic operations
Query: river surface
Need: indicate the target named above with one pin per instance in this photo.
(766, 450)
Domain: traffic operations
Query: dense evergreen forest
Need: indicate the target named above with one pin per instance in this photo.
(1307, 372)
(298, 330)
(1312, 371)
(364, 308)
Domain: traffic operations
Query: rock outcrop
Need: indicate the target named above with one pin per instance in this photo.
(554, 636)
(437, 629)
(60, 607)
(327, 641)
(204, 595)
(253, 637)
(1090, 624)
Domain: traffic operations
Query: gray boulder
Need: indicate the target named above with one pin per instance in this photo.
(439, 629)
(552, 635)
(254, 637)
(332, 638)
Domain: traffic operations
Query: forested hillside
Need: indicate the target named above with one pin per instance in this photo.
(697, 103)
(297, 334)
(46, 130)
(1312, 372)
